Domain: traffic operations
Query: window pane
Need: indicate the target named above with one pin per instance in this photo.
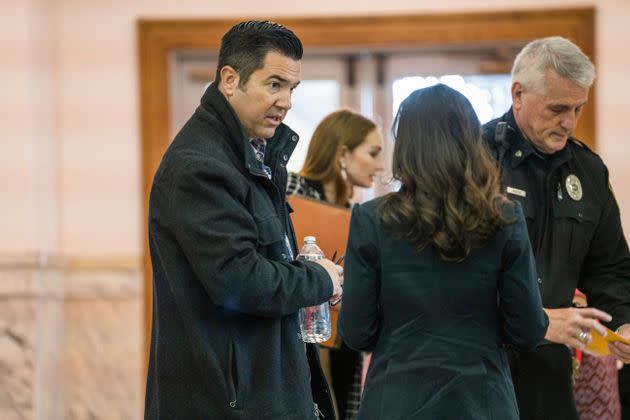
(311, 102)
(489, 95)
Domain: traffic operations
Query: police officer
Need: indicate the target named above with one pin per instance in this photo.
(572, 217)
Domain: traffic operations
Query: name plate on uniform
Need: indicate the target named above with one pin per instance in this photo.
(516, 191)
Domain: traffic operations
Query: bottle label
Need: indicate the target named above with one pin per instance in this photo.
(310, 257)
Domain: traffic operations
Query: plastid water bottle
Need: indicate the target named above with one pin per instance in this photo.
(314, 320)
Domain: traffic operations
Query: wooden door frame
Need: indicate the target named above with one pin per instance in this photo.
(157, 39)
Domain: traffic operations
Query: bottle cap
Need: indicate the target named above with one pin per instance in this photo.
(309, 239)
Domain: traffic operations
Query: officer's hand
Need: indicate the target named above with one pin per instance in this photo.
(336, 275)
(570, 326)
(619, 350)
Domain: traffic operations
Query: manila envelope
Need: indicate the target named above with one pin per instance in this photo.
(599, 345)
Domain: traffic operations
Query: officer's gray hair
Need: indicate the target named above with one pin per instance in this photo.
(553, 53)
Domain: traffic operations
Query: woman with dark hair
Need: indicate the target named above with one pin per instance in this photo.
(440, 275)
(344, 153)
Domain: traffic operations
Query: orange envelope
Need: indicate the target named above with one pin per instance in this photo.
(599, 345)
(330, 225)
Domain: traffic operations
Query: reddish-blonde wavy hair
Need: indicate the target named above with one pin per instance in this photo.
(338, 129)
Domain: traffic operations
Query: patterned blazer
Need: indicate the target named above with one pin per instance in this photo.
(298, 185)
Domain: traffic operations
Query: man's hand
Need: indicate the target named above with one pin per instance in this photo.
(336, 275)
(619, 350)
(570, 326)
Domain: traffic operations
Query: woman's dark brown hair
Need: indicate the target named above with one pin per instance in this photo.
(450, 188)
(338, 129)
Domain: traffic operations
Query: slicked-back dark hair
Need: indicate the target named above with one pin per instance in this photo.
(450, 189)
(246, 44)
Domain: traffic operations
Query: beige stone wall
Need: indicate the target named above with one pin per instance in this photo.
(70, 343)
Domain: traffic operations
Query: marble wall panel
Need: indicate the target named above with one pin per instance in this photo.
(102, 355)
(18, 331)
(70, 343)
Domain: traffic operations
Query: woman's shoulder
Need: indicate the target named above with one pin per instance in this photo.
(511, 210)
(294, 182)
(298, 185)
(368, 209)
(373, 204)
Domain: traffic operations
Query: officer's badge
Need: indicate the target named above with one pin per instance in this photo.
(574, 187)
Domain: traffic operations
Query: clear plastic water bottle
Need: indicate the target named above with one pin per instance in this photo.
(314, 320)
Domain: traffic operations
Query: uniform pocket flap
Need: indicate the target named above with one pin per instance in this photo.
(576, 210)
(529, 209)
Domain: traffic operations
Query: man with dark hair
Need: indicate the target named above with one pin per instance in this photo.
(572, 217)
(245, 46)
(226, 340)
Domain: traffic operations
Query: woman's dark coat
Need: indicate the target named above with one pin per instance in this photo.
(437, 329)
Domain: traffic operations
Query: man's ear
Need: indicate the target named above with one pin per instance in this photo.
(517, 93)
(229, 80)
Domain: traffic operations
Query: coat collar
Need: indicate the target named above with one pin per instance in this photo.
(520, 148)
(215, 109)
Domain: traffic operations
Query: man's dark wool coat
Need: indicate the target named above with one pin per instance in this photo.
(225, 338)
